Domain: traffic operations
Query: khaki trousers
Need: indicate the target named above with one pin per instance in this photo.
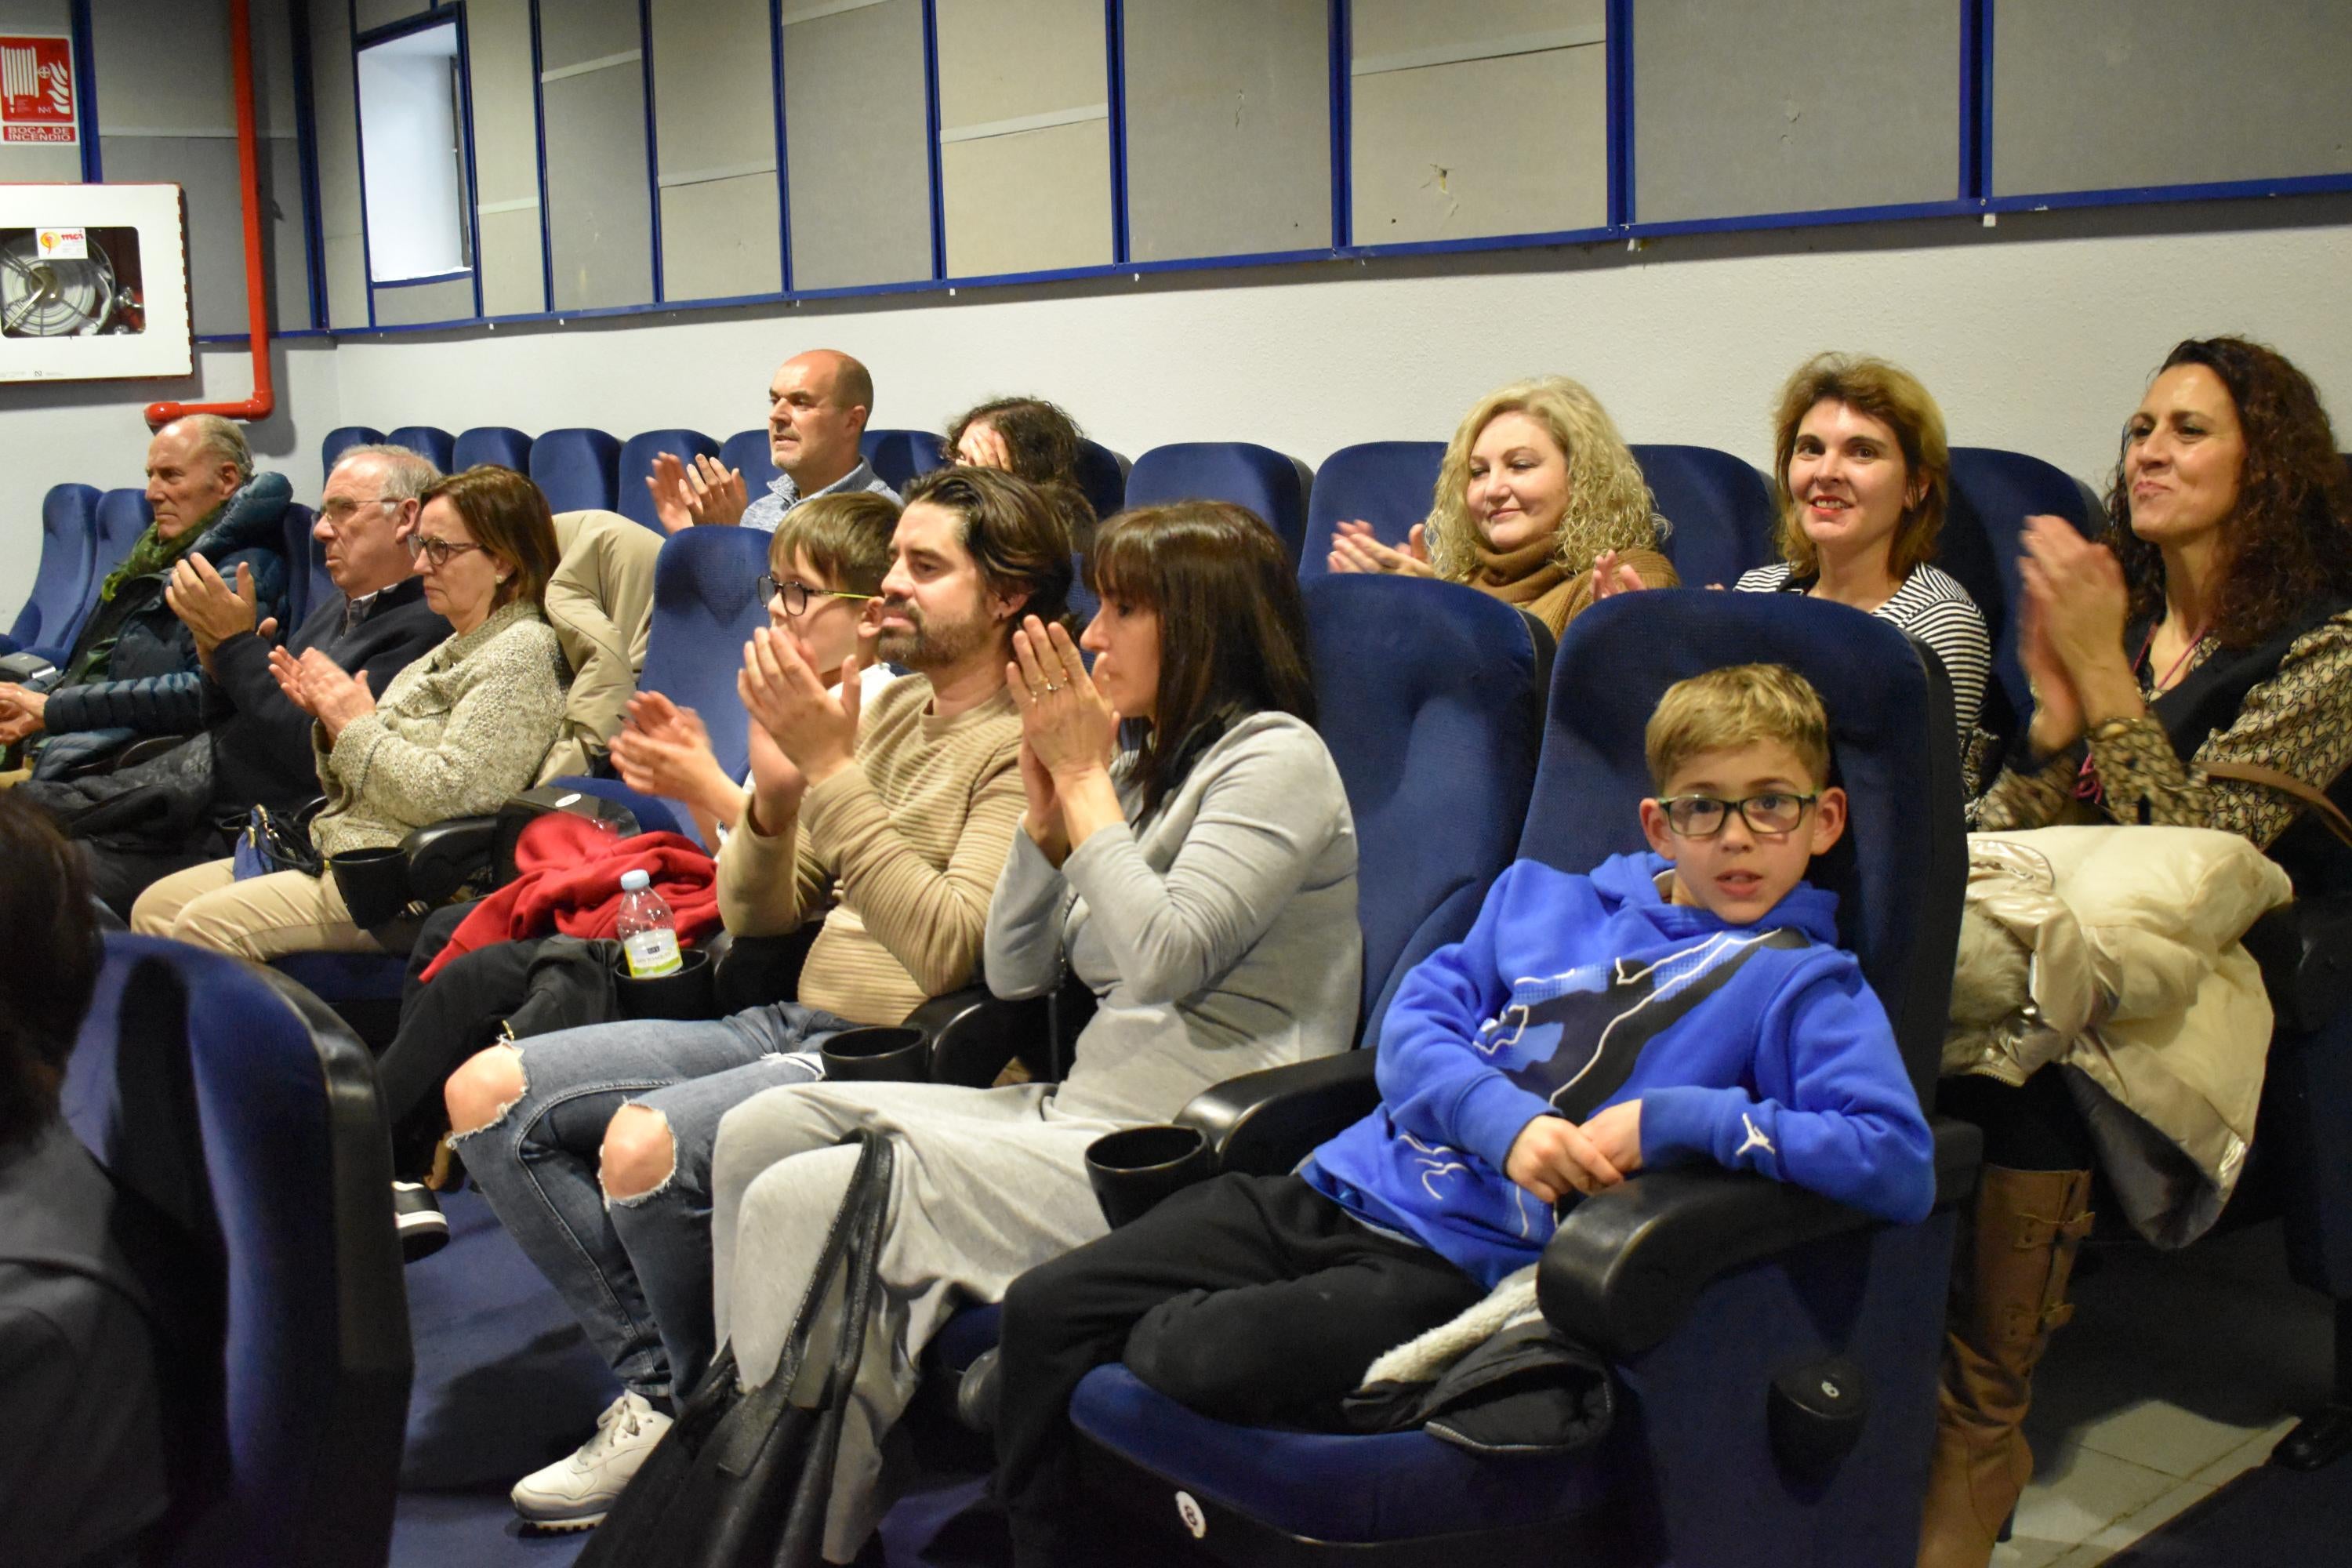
(261, 918)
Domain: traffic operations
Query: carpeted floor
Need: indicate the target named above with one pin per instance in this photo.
(506, 1382)
(2267, 1517)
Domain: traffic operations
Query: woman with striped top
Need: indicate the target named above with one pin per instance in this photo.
(1864, 476)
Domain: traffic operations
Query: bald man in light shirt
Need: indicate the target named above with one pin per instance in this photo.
(817, 408)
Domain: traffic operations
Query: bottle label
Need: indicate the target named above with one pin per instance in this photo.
(652, 953)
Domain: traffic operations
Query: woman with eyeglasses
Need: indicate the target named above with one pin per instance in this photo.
(454, 734)
(824, 568)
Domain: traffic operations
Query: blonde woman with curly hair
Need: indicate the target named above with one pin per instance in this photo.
(1536, 489)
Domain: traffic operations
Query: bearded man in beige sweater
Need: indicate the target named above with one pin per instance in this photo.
(889, 819)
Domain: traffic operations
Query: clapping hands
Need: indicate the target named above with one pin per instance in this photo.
(1354, 549)
(706, 493)
(320, 686)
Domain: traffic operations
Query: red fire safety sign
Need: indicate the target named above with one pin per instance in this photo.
(37, 89)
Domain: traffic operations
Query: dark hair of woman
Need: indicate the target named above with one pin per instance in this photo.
(1232, 627)
(507, 516)
(1043, 444)
(45, 988)
(2289, 540)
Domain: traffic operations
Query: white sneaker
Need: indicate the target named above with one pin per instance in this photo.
(573, 1492)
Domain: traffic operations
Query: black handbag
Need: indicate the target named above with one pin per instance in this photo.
(744, 1479)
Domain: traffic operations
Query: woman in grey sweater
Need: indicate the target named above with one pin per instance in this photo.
(1202, 879)
(454, 734)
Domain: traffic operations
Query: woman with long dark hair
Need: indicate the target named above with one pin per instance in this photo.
(1187, 851)
(2192, 668)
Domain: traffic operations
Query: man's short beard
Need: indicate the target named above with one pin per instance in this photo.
(933, 644)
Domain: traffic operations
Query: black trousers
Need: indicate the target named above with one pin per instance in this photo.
(441, 1024)
(1255, 1300)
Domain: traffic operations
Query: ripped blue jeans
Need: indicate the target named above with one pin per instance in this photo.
(636, 1271)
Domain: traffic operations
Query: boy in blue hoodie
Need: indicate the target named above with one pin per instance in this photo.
(1687, 1005)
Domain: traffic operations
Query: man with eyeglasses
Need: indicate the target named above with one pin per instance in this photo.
(167, 813)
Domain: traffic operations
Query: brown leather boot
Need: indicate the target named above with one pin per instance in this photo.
(2009, 1292)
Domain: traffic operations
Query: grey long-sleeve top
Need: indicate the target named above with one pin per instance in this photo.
(1221, 938)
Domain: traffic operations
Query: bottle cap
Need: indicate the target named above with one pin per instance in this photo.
(634, 881)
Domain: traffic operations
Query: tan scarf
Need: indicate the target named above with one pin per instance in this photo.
(1531, 578)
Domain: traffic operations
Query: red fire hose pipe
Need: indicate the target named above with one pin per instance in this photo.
(256, 286)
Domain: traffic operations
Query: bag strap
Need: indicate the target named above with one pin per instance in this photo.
(2331, 816)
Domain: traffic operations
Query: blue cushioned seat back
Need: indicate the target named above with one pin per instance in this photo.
(705, 604)
(306, 568)
(1258, 477)
(342, 439)
(243, 1120)
(501, 444)
(1890, 741)
(1720, 509)
(430, 442)
(63, 586)
(747, 452)
(1385, 483)
(122, 516)
(636, 465)
(1102, 474)
(899, 455)
(577, 470)
(1993, 493)
(1430, 698)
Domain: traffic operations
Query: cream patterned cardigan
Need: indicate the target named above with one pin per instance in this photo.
(453, 735)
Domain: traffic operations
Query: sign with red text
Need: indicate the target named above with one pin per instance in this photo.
(37, 89)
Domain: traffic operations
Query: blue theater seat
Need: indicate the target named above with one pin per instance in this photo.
(1993, 493)
(1102, 474)
(577, 470)
(705, 605)
(1385, 483)
(427, 441)
(342, 439)
(899, 455)
(1721, 510)
(1699, 1286)
(636, 465)
(306, 568)
(500, 445)
(1258, 477)
(243, 1119)
(747, 453)
(122, 516)
(63, 585)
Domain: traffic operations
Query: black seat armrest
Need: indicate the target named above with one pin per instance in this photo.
(1623, 1269)
(1264, 1124)
(754, 971)
(2305, 950)
(444, 857)
(974, 1033)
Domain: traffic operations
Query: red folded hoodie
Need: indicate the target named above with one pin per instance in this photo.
(568, 880)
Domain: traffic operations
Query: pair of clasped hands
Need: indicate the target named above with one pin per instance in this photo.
(1553, 1156)
(1068, 733)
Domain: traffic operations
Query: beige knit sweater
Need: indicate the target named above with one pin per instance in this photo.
(453, 735)
(904, 846)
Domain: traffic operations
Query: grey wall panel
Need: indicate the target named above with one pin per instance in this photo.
(1795, 107)
(506, 154)
(378, 12)
(1029, 202)
(573, 32)
(1423, 169)
(424, 303)
(1381, 28)
(857, 146)
(207, 167)
(714, 88)
(34, 161)
(720, 238)
(999, 61)
(2105, 94)
(333, 106)
(600, 211)
(163, 66)
(1228, 127)
(512, 284)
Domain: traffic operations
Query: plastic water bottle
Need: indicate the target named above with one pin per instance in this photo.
(649, 931)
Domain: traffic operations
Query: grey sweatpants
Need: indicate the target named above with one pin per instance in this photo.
(987, 1183)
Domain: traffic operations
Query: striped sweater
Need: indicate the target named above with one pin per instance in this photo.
(900, 851)
(1933, 607)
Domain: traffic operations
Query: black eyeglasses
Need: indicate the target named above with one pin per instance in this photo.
(796, 595)
(1703, 816)
(439, 550)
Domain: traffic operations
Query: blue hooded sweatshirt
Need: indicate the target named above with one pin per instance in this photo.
(1760, 1048)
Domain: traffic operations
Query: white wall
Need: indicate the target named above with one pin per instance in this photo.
(2037, 336)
